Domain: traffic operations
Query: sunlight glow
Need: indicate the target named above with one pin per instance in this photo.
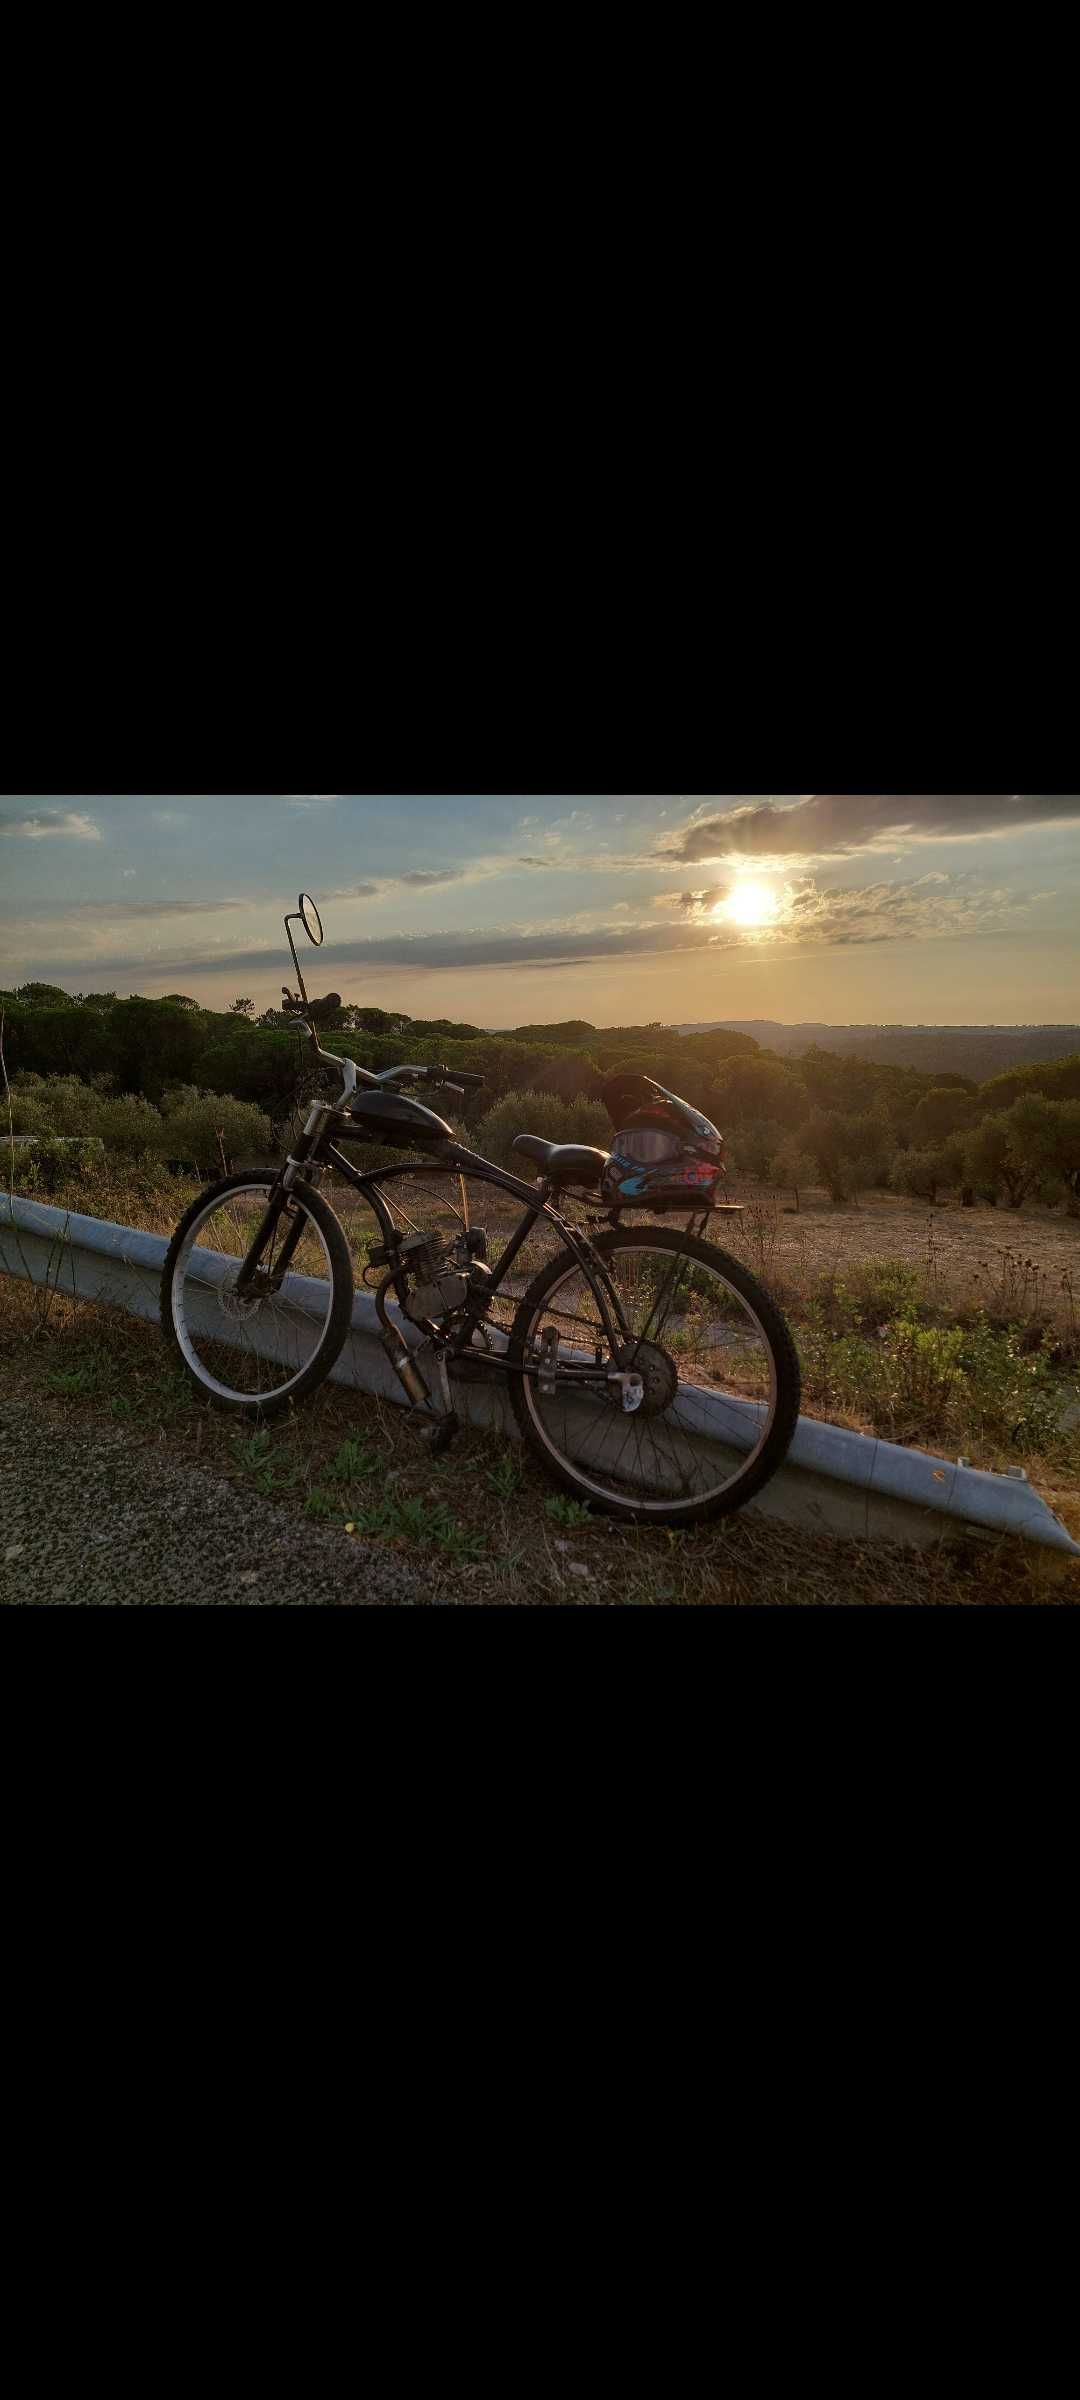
(749, 904)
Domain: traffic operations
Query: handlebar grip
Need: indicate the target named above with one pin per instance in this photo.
(455, 1077)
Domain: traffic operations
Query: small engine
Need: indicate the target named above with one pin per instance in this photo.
(444, 1273)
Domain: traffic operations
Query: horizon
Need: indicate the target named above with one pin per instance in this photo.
(870, 912)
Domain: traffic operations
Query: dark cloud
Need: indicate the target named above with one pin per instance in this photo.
(695, 904)
(422, 876)
(828, 824)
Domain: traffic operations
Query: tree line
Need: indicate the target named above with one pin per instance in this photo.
(847, 1122)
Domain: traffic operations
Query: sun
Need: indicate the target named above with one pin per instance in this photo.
(748, 903)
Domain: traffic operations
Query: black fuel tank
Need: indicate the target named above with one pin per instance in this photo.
(389, 1117)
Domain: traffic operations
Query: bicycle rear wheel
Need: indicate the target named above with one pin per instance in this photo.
(718, 1367)
(259, 1354)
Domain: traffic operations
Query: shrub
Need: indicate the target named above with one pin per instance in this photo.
(585, 1121)
(202, 1128)
(880, 1289)
(50, 1162)
(128, 1124)
(57, 1104)
(934, 1384)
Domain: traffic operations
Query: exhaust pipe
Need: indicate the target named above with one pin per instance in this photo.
(405, 1368)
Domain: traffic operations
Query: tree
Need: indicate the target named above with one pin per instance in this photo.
(718, 1045)
(1068, 1155)
(241, 1008)
(792, 1169)
(755, 1089)
(575, 1031)
(923, 1173)
(373, 1020)
(940, 1113)
(43, 995)
(753, 1147)
(1044, 1142)
(851, 1152)
(997, 1159)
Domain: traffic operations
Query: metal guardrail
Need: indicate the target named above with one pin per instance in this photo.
(833, 1481)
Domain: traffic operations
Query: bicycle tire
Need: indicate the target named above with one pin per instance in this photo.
(262, 1407)
(768, 1458)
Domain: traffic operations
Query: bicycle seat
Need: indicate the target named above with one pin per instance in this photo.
(562, 1162)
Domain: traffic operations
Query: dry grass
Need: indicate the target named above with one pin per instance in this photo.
(1019, 1263)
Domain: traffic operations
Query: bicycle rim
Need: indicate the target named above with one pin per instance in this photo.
(709, 1368)
(254, 1351)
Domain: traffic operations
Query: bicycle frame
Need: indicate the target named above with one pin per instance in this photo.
(314, 1149)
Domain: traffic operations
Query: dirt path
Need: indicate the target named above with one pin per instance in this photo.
(88, 1518)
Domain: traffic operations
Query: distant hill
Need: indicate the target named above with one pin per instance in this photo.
(976, 1050)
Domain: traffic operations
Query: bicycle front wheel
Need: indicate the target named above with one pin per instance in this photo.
(261, 1352)
(716, 1366)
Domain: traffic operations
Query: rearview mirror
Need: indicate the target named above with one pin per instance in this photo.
(310, 918)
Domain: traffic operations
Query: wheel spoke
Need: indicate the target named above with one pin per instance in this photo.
(255, 1347)
(691, 1334)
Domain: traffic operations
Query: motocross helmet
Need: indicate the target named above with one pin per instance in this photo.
(665, 1155)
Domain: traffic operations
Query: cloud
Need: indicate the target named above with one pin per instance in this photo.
(108, 909)
(693, 904)
(420, 879)
(422, 876)
(926, 908)
(36, 824)
(828, 824)
(808, 918)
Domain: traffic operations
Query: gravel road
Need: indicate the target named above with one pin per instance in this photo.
(88, 1518)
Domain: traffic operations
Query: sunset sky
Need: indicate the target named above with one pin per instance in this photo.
(868, 908)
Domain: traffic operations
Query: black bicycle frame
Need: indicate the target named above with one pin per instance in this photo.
(313, 1149)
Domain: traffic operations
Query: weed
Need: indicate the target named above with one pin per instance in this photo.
(265, 1466)
(90, 1375)
(418, 1520)
(353, 1461)
(505, 1476)
(567, 1512)
(322, 1504)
